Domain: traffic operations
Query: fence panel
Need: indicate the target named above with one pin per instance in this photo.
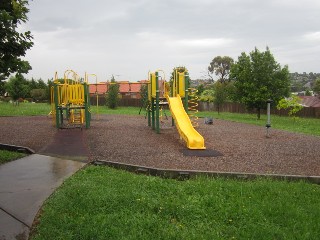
(306, 112)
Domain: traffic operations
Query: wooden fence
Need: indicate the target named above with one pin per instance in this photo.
(310, 112)
(226, 107)
(125, 102)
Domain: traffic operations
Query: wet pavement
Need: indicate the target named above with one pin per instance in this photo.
(24, 185)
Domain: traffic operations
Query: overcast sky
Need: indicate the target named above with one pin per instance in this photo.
(127, 38)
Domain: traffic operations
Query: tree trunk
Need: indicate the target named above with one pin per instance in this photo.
(258, 113)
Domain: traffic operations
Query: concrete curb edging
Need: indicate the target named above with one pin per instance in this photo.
(190, 174)
(15, 148)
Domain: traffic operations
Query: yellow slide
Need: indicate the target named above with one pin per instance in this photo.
(193, 139)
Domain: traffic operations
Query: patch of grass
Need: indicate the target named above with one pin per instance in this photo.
(7, 156)
(24, 109)
(118, 110)
(300, 125)
(104, 203)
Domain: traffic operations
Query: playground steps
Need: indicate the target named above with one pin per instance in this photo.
(77, 117)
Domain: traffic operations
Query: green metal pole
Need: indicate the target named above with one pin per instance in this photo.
(55, 92)
(153, 122)
(149, 105)
(173, 94)
(149, 115)
(186, 91)
(86, 105)
(89, 104)
(157, 104)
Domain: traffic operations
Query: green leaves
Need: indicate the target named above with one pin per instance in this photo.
(17, 87)
(259, 77)
(112, 94)
(221, 67)
(13, 45)
(316, 87)
(292, 104)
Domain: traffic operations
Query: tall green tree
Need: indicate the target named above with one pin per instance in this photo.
(316, 86)
(258, 77)
(112, 98)
(144, 95)
(221, 66)
(220, 94)
(17, 87)
(13, 44)
(200, 89)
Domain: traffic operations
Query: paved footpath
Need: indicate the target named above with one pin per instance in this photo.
(27, 182)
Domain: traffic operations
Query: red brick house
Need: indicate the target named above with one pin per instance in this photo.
(126, 89)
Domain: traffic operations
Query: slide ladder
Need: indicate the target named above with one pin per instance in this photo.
(193, 139)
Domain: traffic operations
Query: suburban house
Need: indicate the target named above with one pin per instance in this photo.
(310, 101)
(126, 89)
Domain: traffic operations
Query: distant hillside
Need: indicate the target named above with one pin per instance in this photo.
(299, 81)
(302, 81)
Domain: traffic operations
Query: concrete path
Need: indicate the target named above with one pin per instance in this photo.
(24, 185)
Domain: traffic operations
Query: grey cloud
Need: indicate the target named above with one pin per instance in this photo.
(142, 34)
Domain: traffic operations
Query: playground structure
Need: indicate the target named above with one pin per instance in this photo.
(177, 96)
(70, 103)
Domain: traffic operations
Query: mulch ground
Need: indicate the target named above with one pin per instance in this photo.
(128, 139)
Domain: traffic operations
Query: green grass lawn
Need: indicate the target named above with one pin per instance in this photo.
(117, 111)
(309, 126)
(7, 156)
(24, 109)
(104, 203)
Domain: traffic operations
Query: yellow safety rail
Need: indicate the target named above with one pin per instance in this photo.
(153, 84)
(181, 79)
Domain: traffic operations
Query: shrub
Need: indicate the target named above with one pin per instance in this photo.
(292, 104)
(38, 94)
(112, 98)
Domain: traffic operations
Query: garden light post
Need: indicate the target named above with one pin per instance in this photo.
(268, 125)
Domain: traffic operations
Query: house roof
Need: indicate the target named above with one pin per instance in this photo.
(100, 88)
(310, 101)
(124, 87)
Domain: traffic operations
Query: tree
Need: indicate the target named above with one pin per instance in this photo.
(207, 95)
(207, 75)
(17, 87)
(200, 89)
(220, 94)
(13, 44)
(112, 94)
(292, 104)
(221, 67)
(38, 94)
(2, 89)
(316, 86)
(258, 77)
(308, 92)
(144, 96)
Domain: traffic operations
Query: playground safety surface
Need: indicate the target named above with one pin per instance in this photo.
(128, 140)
